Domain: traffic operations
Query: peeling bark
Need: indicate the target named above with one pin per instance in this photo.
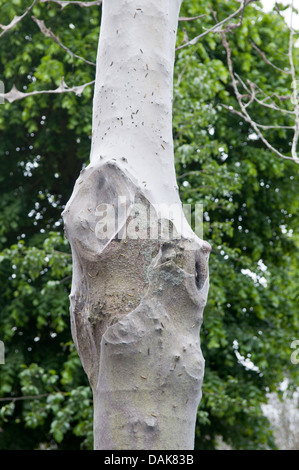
(137, 295)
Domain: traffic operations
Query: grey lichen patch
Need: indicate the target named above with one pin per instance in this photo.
(97, 313)
(149, 250)
(173, 250)
(173, 276)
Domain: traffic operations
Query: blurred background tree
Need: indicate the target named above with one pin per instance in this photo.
(250, 201)
(283, 414)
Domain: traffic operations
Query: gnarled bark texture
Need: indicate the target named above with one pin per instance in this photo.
(137, 295)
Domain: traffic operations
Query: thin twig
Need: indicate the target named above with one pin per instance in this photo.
(253, 96)
(48, 33)
(244, 114)
(180, 76)
(66, 278)
(62, 253)
(262, 126)
(217, 26)
(30, 397)
(64, 4)
(271, 105)
(16, 20)
(188, 173)
(295, 89)
(15, 94)
(191, 18)
(266, 60)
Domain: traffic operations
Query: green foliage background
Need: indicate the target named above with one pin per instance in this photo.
(250, 200)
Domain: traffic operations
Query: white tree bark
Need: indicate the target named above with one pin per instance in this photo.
(137, 297)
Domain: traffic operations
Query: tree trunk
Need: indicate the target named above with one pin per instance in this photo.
(140, 274)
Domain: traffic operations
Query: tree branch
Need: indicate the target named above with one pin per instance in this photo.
(64, 4)
(262, 126)
(263, 55)
(31, 397)
(16, 20)
(217, 27)
(244, 113)
(15, 94)
(191, 18)
(253, 97)
(48, 33)
(295, 88)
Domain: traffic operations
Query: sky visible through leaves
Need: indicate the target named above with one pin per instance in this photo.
(269, 4)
